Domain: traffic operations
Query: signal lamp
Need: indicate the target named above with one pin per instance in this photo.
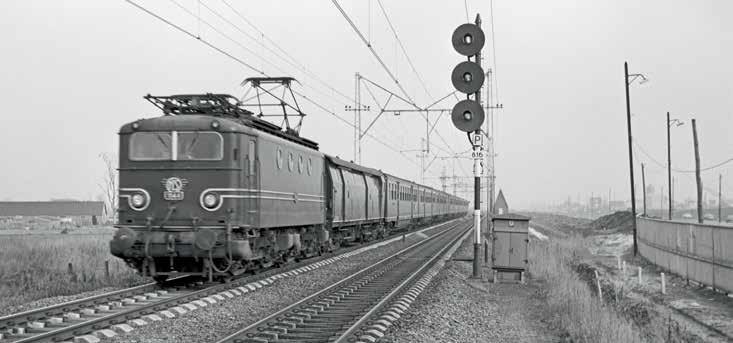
(215, 124)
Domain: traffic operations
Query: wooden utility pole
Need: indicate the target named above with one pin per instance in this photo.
(720, 198)
(669, 168)
(697, 173)
(631, 154)
(643, 187)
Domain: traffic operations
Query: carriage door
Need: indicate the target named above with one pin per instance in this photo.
(412, 202)
(250, 179)
(399, 199)
(337, 194)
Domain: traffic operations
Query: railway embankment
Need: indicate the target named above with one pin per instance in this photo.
(601, 257)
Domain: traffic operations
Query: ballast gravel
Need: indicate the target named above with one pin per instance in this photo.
(219, 320)
(456, 308)
(54, 301)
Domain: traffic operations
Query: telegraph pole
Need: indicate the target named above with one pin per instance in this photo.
(720, 198)
(698, 179)
(669, 169)
(631, 154)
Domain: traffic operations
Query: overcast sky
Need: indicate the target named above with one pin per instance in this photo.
(73, 72)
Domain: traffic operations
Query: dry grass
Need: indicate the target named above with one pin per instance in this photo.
(35, 266)
(579, 311)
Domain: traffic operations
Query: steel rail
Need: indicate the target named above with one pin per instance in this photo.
(367, 277)
(399, 289)
(16, 319)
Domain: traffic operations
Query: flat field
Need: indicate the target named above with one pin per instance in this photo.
(41, 264)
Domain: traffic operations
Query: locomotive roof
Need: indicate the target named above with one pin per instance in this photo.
(198, 111)
(192, 122)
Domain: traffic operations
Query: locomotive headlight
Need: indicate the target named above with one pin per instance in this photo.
(138, 200)
(211, 200)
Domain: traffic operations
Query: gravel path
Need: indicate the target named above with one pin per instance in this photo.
(455, 308)
(223, 318)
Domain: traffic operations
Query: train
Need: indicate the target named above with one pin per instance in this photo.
(210, 189)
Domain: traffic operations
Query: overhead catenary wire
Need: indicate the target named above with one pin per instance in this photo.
(234, 41)
(296, 65)
(384, 66)
(293, 61)
(371, 49)
(404, 50)
(188, 33)
(242, 62)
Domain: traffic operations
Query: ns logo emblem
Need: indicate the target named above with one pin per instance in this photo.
(174, 188)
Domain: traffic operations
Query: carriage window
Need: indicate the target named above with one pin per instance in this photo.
(251, 157)
(199, 145)
(151, 146)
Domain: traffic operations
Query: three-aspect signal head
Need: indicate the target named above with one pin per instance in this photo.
(467, 115)
(467, 77)
(468, 39)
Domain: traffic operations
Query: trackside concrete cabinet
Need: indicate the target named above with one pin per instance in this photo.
(509, 246)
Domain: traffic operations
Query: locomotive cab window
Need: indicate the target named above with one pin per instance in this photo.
(176, 146)
(151, 146)
(199, 146)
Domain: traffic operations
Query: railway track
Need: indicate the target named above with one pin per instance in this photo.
(21, 325)
(115, 311)
(357, 307)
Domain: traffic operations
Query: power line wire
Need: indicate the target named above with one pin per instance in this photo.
(680, 170)
(293, 61)
(374, 52)
(188, 33)
(237, 42)
(240, 61)
(404, 51)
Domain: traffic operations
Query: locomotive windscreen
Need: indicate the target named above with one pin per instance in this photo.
(176, 146)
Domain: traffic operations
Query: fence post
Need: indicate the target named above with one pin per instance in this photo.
(106, 269)
(664, 286)
(639, 268)
(623, 269)
(712, 242)
(72, 275)
(598, 285)
(687, 257)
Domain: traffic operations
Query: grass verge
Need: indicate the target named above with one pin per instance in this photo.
(580, 313)
(37, 266)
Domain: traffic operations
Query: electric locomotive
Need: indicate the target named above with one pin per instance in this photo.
(210, 189)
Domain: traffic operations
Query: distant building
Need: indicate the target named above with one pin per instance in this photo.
(500, 205)
(51, 208)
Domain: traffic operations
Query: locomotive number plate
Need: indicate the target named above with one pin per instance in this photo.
(174, 188)
(174, 196)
